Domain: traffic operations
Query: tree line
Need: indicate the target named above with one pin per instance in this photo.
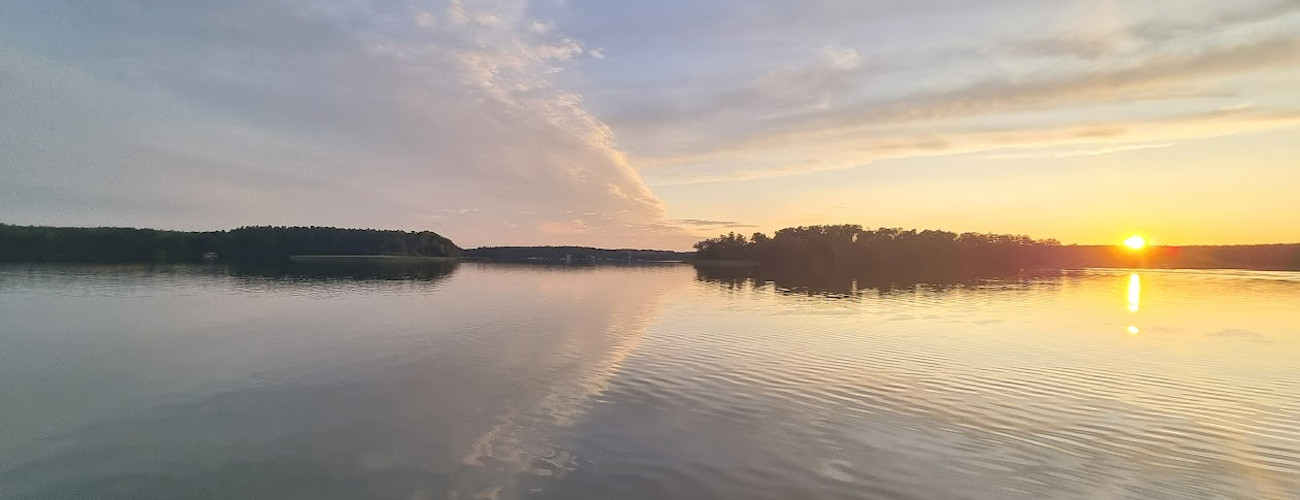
(850, 249)
(583, 255)
(895, 250)
(245, 244)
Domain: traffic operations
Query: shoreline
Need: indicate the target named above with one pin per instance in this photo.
(376, 258)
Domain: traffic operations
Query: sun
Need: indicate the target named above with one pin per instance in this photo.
(1135, 242)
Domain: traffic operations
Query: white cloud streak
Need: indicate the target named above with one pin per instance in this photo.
(330, 113)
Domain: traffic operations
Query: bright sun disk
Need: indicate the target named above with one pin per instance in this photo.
(1135, 242)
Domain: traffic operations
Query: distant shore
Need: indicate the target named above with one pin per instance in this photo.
(374, 258)
(843, 249)
(726, 263)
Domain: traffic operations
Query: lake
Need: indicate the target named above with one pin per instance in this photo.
(655, 382)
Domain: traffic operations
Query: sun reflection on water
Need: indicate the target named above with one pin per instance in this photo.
(1134, 298)
(1134, 292)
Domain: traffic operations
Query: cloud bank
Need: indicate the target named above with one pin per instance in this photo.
(824, 86)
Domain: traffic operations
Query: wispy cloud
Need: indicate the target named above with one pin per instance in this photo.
(1079, 152)
(713, 223)
(787, 102)
(944, 121)
(338, 113)
(1104, 137)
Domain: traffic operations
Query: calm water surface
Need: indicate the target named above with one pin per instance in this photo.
(495, 381)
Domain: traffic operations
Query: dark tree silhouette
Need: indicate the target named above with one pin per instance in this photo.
(849, 249)
(246, 244)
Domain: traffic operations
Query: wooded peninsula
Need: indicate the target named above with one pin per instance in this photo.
(852, 248)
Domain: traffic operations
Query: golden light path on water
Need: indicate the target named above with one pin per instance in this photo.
(1134, 298)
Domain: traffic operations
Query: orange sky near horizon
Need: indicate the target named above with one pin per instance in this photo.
(1218, 191)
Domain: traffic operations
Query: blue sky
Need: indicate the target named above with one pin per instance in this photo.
(649, 124)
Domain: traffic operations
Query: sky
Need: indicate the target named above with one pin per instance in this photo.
(654, 124)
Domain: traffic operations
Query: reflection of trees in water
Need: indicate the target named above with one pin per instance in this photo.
(829, 281)
(575, 267)
(359, 269)
(341, 272)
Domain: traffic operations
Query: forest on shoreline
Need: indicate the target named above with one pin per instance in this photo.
(253, 244)
(853, 250)
(845, 249)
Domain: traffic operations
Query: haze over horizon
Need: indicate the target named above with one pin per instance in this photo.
(655, 124)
